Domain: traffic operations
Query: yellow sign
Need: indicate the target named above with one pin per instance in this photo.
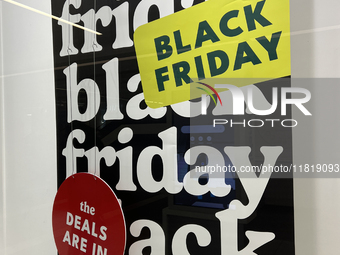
(242, 42)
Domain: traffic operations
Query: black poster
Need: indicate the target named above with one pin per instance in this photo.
(105, 127)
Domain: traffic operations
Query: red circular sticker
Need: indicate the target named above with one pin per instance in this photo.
(87, 217)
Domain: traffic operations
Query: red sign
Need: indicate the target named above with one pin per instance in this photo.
(87, 218)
